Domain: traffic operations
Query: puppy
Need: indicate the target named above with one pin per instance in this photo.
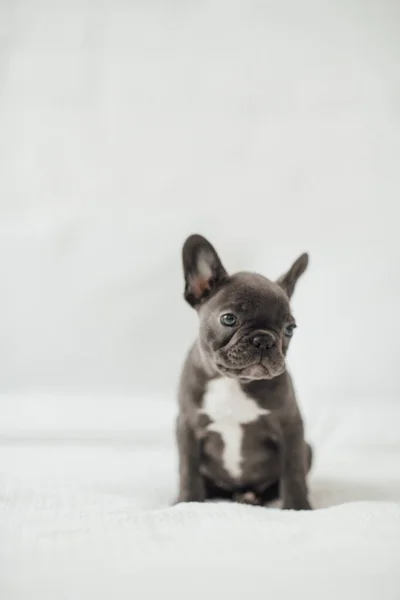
(239, 429)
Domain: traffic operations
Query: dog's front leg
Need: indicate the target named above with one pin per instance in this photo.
(294, 469)
(191, 483)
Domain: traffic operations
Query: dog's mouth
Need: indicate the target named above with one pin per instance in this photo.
(257, 370)
(241, 360)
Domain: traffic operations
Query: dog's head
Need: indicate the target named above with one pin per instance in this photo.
(245, 319)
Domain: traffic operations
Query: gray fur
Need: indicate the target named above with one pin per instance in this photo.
(275, 457)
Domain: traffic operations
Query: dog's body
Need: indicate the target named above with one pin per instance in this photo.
(239, 431)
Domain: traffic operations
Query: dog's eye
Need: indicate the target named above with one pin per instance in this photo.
(289, 330)
(229, 320)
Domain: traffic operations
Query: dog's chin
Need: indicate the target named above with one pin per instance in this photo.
(252, 372)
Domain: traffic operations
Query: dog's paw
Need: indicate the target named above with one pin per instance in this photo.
(297, 505)
(247, 498)
(192, 495)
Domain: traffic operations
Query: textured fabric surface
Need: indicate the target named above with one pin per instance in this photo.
(91, 518)
(61, 545)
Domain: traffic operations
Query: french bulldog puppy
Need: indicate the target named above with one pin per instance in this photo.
(239, 429)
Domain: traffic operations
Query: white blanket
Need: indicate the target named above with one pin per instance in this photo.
(91, 518)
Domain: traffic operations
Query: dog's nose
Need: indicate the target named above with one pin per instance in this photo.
(263, 341)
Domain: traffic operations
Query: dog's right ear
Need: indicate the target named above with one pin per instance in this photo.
(202, 269)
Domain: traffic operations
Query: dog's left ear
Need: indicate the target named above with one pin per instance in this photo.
(202, 268)
(288, 280)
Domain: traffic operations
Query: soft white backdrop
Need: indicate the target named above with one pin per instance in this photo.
(272, 128)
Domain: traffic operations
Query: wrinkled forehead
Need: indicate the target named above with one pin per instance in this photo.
(255, 297)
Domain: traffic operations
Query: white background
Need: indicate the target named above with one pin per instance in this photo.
(270, 127)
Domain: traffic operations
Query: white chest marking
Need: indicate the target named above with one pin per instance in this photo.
(229, 407)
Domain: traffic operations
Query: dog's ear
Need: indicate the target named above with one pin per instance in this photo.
(202, 269)
(288, 280)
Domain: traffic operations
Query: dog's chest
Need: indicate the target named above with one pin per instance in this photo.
(228, 408)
